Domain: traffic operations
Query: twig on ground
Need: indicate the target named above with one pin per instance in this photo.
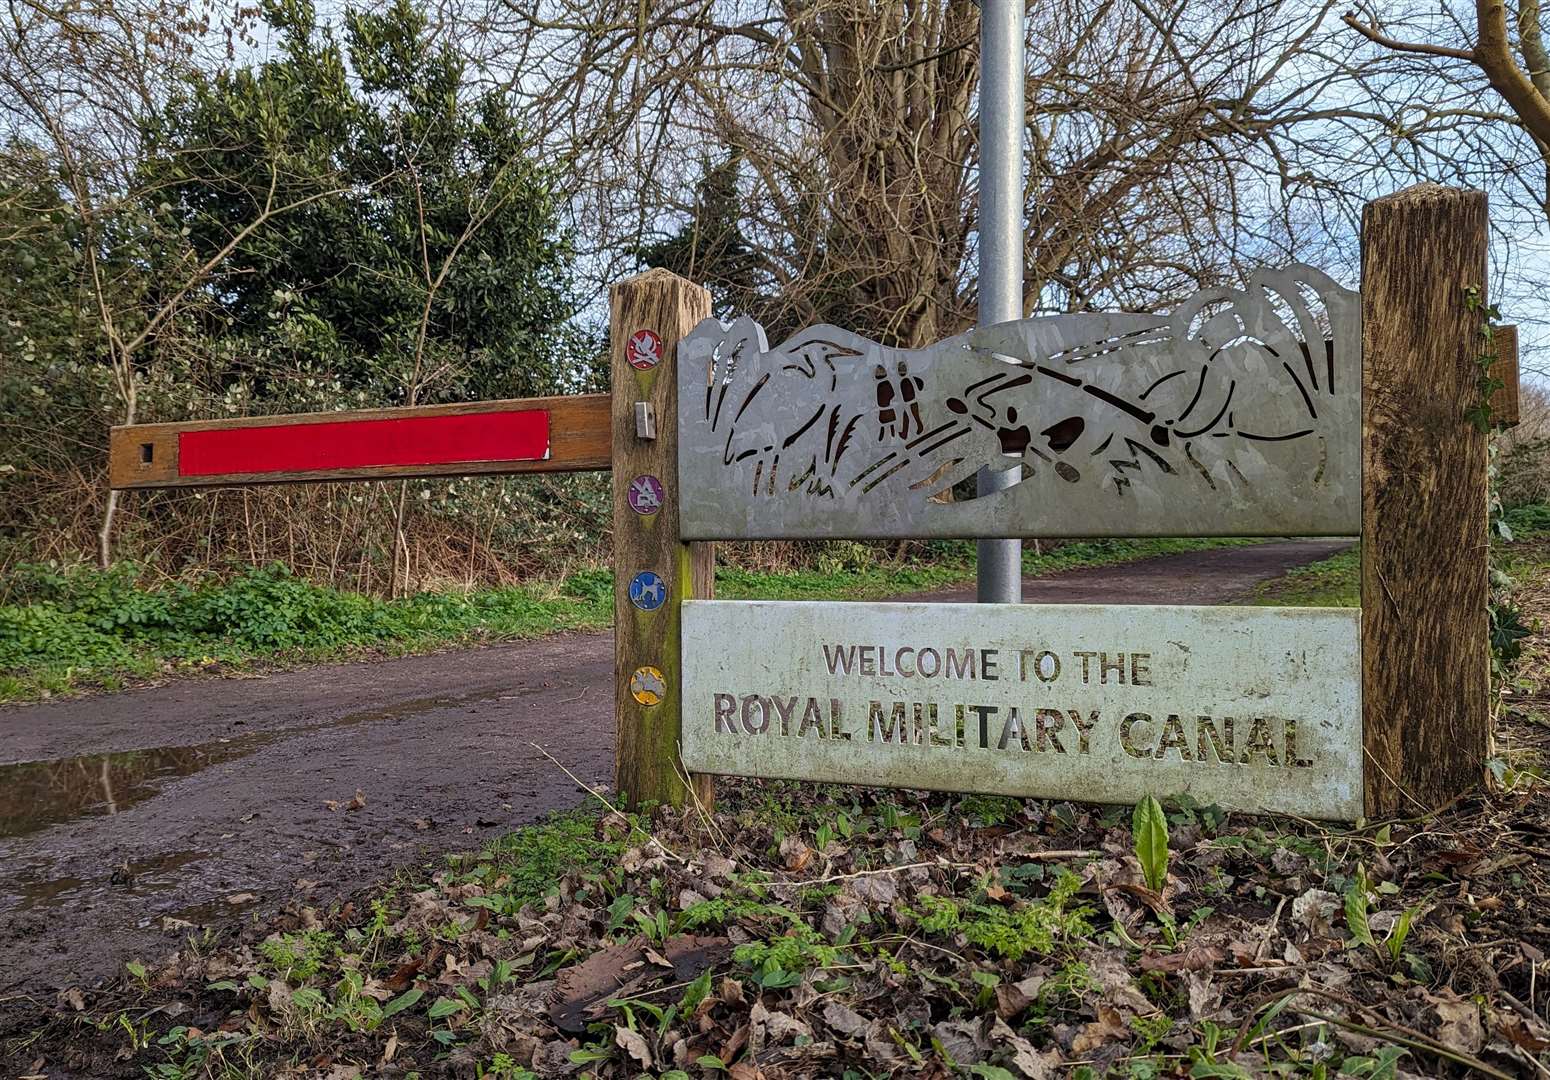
(598, 795)
(1388, 1031)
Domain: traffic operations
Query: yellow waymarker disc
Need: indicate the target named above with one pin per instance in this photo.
(648, 685)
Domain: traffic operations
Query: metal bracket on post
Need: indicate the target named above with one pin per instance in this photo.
(645, 420)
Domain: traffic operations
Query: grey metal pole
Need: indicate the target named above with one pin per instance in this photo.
(999, 576)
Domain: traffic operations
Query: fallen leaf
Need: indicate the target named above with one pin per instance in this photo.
(877, 888)
(738, 1040)
(1108, 1027)
(279, 997)
(238, 899)
(1518, 1033)
(1204, 997)
(1025, 1059)
(1459, 1026)
(634, 1044)
(1313, 910)
(962, 1041)
(843, 1019)
(795, 853)
(1195, 958)
(768, 1026)
(404, 974)
(581, 989)
(1011, 1001)
(1150, 897)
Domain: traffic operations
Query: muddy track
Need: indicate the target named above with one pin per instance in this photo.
(141, 815)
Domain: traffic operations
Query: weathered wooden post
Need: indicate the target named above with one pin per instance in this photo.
(1425, 664)
(1504, 401)
(654, 570)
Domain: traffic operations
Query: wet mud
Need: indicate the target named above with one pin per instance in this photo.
(129, 822)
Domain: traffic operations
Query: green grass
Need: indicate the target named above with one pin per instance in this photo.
(857, 572)
(1528, 520)
(1336, 581)
(82, 628)
(1331, 582)
(63, 630)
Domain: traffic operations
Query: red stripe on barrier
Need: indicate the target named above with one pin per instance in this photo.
(359, 444)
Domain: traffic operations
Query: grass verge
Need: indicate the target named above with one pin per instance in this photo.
(67, 630)
(1337, 580)
(1332, 582)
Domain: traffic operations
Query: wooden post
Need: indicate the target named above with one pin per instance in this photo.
(650, 314)
(1425, 664)
(1504, 403)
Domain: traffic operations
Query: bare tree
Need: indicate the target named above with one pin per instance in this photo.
(1167, 143)
(1465, 87)
(1512, 59)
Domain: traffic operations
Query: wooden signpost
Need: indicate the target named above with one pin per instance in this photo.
(1291, 407)
(654, 570)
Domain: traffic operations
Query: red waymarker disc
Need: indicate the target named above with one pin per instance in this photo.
(644, 350)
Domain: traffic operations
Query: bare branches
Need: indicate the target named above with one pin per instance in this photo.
(1420, 48)
(1493, 55)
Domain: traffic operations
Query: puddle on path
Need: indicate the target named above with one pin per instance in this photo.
(37, 794)
(32, 887)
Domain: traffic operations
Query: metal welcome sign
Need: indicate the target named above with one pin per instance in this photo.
(1239, 414)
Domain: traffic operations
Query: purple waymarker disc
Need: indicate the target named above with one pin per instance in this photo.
(645, 494)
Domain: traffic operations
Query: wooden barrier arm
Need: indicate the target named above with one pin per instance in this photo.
(549, 434)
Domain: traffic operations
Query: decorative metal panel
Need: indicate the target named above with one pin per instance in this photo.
(1254, 709)
(1238, 414)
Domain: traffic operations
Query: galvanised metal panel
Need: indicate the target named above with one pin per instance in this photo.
(1255, 709)
(1238, 414)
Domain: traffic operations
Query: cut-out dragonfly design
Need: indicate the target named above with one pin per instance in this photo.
(1233, 395)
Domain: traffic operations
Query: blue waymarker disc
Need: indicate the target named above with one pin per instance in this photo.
(648, 591)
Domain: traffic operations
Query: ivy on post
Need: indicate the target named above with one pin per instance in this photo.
(1425, 661)
(654, 570)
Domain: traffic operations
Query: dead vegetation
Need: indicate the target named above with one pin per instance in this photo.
(823, 932)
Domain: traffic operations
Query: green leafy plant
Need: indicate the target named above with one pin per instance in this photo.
(1149, 827)
(1479, 412)
(1034, 927)
(781, 961)
(1357, 905)
(1395, 942)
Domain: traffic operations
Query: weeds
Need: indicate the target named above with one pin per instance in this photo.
(1035, 927)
